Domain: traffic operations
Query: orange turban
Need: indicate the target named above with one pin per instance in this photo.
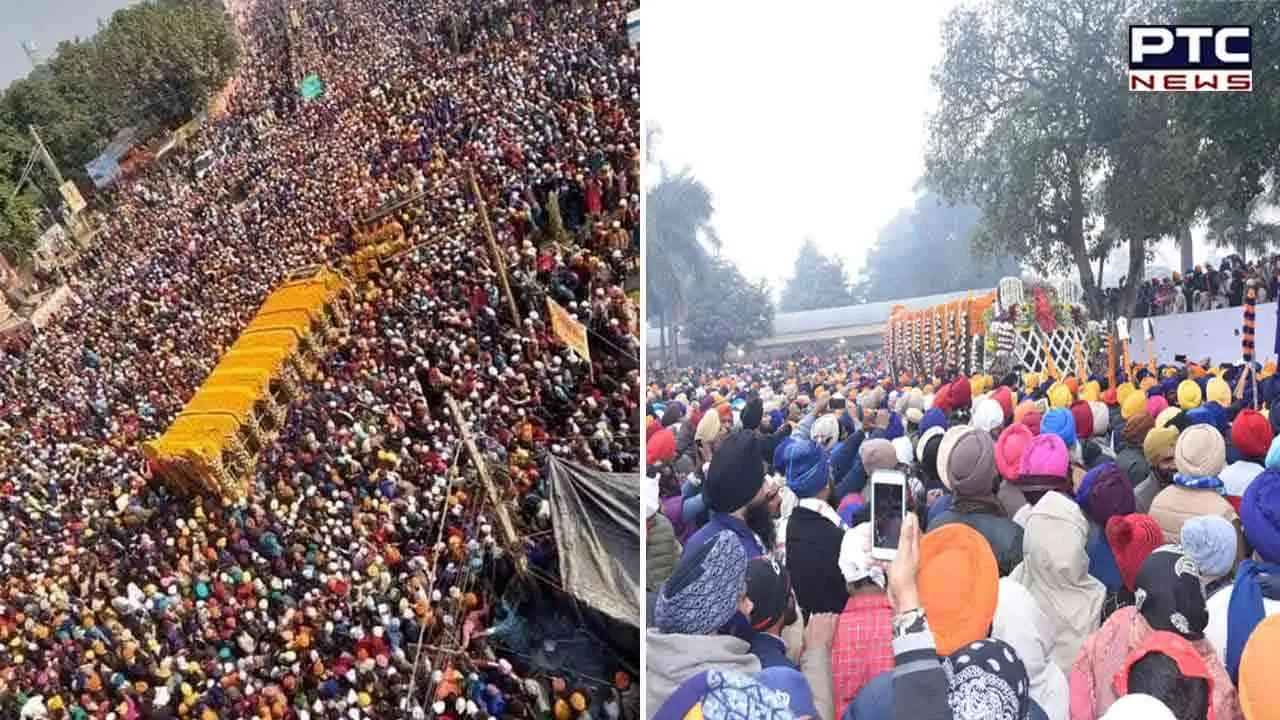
(1261, 653)
(959, 583)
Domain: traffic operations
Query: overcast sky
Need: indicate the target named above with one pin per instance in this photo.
(46, 22)
(808, 120)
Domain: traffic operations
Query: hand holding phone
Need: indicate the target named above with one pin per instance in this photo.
(888, 508)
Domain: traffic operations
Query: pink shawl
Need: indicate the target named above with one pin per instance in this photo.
(1103, 655)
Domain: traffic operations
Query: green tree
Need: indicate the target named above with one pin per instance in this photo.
(1022, 85)
(725, 309)
(679, 243)
(818, 282)
(936, 234)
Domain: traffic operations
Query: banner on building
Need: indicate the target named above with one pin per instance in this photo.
(567, 330)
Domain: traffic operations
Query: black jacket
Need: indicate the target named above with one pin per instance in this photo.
(1003, 534)
(813, 560)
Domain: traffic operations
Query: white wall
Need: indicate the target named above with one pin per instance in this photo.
(1214, 334)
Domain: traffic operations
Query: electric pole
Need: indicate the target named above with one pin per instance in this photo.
(45, 156)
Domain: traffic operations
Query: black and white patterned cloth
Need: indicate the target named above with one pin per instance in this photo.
(703, 591)
(987, 682)
(1169, 593)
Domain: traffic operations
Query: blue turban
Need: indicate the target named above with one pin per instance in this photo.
(805, 463)
(1060, 422)
(933, 418)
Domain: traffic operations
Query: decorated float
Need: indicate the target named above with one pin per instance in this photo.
(1026, 327)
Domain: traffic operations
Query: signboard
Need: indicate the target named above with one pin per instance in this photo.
(312, 87)
(72, 195)
(567, 330)
(103, 170)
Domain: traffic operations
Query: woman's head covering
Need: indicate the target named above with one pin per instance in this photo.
(1177, 648)
(1258, 699)
(1169, 593)
(959, 582)
(1021, 623)
(1132, 539)
(1211, 541)
(1055, 569)
(1136, 706)
(987, 681)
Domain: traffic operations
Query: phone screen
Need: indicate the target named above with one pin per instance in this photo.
(836, 404)
(888, 513)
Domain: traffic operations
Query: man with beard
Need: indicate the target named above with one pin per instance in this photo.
(1158, 447)
(737, 496)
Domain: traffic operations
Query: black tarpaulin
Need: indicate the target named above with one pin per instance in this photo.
(596, 517)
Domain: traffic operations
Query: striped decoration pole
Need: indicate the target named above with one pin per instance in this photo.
(1250, 325)
(1246, 343)
(1111, 360)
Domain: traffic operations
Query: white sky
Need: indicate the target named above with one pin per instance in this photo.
(805, 121)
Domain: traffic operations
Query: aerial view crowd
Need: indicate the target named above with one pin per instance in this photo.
(1065, 547)
(366, 576)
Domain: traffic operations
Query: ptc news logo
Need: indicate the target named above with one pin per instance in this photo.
(1190, 58)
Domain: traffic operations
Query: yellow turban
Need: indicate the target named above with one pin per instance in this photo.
(1059, 396)
(1122, 391)
(1134, 403)
(1216, 390)
(1188, 395)
(1091, 392)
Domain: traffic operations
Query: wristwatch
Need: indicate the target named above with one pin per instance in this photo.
(907, 622)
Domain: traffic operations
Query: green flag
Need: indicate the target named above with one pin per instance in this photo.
(312, 87)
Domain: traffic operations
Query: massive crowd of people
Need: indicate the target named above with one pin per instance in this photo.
(365, 577)
(1063, 548)
(1205, 287)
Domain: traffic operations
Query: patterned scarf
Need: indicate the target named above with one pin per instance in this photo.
(1207, 482)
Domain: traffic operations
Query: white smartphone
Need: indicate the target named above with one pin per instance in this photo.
(888, 507)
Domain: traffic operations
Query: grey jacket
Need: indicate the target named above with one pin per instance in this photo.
(670, 659)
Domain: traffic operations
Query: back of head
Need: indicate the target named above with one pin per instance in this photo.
(1158, 675)
(972, 464)
(1200, 452)
(736, 472)
(825, 431)
(705, 586)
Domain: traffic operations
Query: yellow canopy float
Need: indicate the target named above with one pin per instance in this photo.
(203, 450)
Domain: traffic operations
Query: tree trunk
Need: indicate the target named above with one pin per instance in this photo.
(1133, 278)
(1185, 245)
(1076, 244)
(662, 336)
